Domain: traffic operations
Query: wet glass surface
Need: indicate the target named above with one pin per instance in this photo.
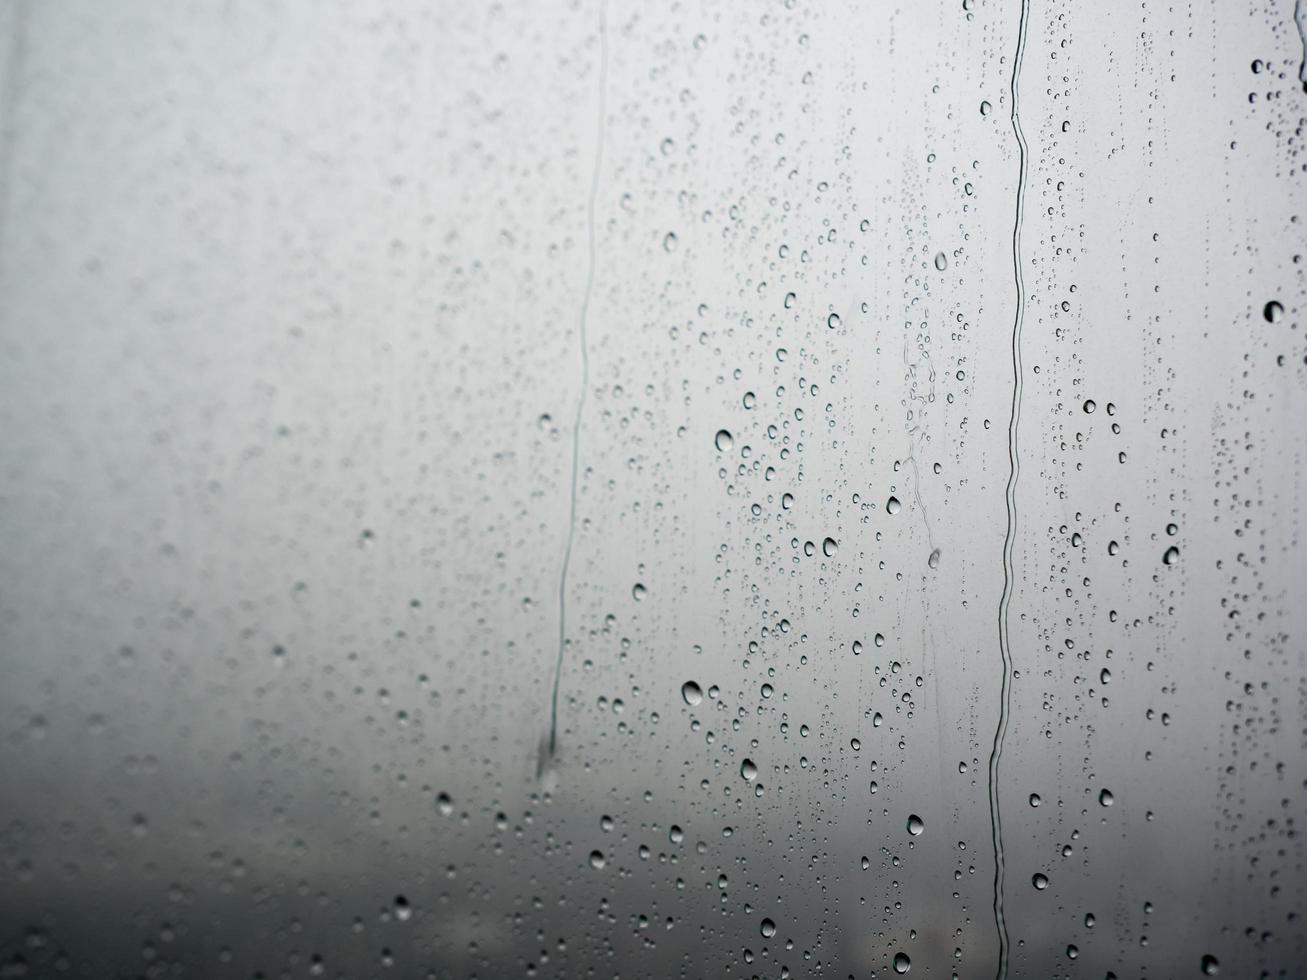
(633, 490)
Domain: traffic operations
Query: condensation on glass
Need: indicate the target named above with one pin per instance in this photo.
(652, 490)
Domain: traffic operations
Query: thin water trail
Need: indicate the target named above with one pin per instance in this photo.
(1300, 18)
(585, 377)
(1009, 539)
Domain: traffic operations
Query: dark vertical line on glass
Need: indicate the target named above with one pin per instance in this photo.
(585, 373)
(1009, 538)
(1300, 19)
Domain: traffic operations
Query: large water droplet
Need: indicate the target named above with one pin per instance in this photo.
(444, 804)
(933, 560)
(691, 693)
(597, 860)
(1106, 798)
(1172, 555)
(892, 505)
(1040, 881)
(833, 321)
(638, 591)
(941, 261)
(1273, 311)
(916, 825)
(829, 547)
(723, 441)
(902, 963)
(748, 770)
(1211, 965)
(1089, 406)
(767, 928)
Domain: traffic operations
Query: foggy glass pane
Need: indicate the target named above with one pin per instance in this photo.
(613, 489)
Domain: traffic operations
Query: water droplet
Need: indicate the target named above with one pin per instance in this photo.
(941, 261)
(669, 242)
(1273, 311)
(1089, 406)
(916, 825)
(638, 591)
(675, 834)
(829, 547)
(1035, 800)
(766, 691)
(444, 804)
(833, 321)
(750, 399)
(723, 441)
(691, 693)
(892, 505)
(985, 108)
(1211, 965)
(933, 560)
(902, 963)
(1105, 797)
(1105, 676)
(1172, 555)
(748, 770)
(768, 928)
(403, 911)
(1040, 881)
(597, 860)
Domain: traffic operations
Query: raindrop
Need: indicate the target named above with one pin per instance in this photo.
(941, 261)
(892, 505)
(1273, 311)
(1035, 800)
(985, 108)
(597, 860)
(768, 928)
(1172, 555)
(829, 547)
(750, 399)
(691, 693)
(1089, 406)
(1106, 798)
(833, 321)
(403, 911)
(1211, 965)
(1040, 881)
(915, 825)
(669, 242)
(444, 804)
(723, 441)
(675, 834)
(933, 560)
(748, 770)
(902, 964)
(638, 591)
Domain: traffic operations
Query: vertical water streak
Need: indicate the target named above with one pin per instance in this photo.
(1004, 642)
(585, 372)
(1300, 19)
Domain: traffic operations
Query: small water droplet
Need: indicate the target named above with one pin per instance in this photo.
(597, 860)
(691, 693)
(750, 399)
(638, 591)
(403, 911)
(675, 834)
(669, 242)
(723, 441)
(833, 321)
(444, 804)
